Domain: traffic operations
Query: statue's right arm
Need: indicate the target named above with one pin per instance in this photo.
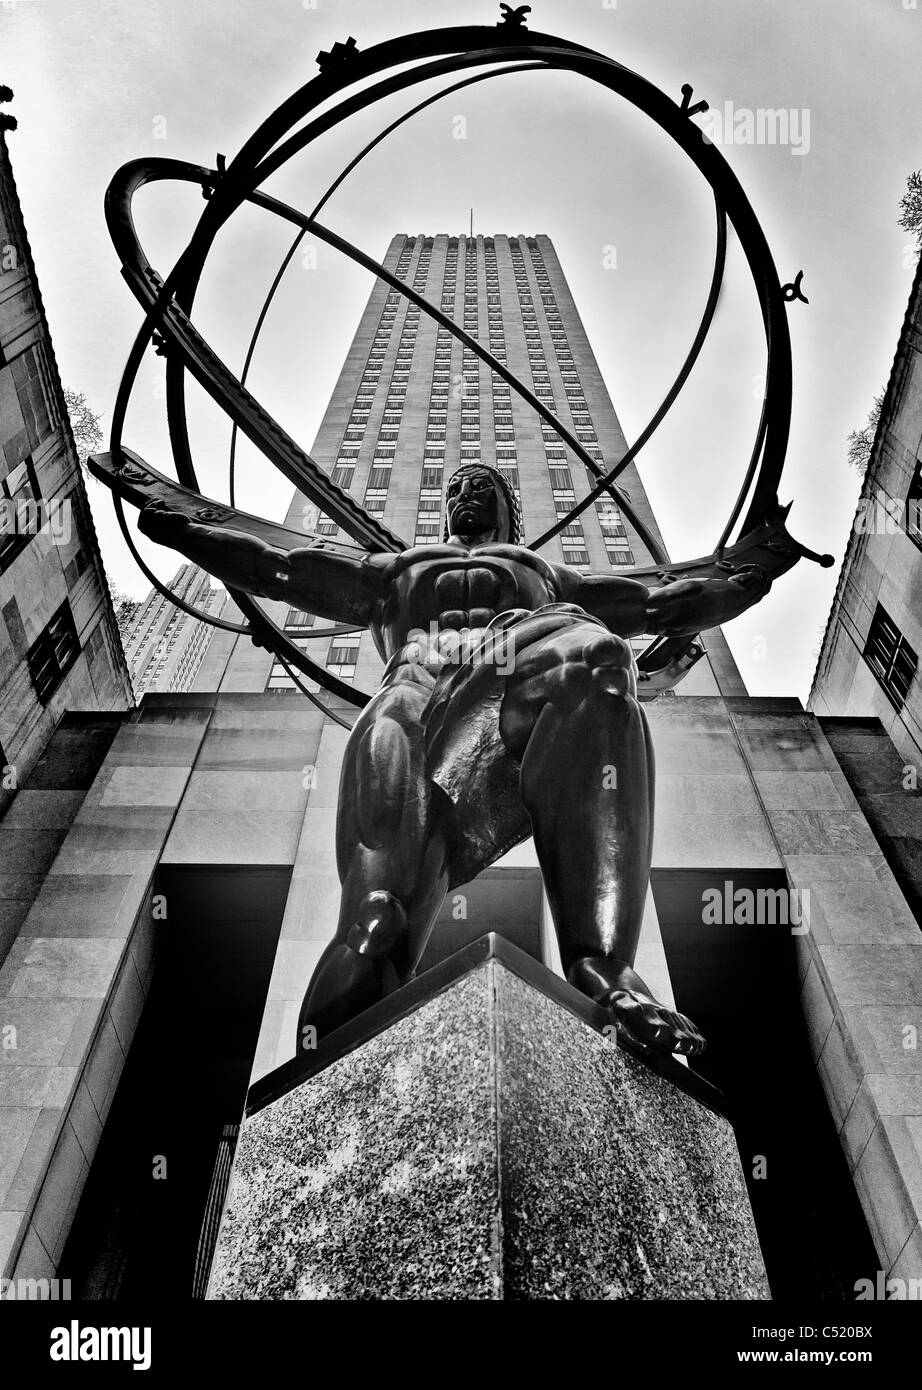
(324, 582)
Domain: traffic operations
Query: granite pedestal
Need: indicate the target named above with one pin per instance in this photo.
(479, 1136)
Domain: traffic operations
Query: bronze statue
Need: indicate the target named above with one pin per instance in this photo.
(508, 707)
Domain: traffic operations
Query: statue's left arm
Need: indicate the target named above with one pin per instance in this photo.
(678, 609)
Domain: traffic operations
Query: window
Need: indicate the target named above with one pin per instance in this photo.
(19, 511)
(343, 474)
(279, 678)
(342, 651)
(75, 567)
(343, 656)
(27, 378)
(890, 657)
(53, 654)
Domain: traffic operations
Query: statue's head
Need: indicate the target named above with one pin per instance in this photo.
(480, 502)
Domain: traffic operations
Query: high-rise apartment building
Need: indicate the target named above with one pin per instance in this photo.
(412, 403)
(164, 646)
(59, 645)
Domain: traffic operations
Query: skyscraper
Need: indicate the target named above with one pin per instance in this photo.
(164, 646)
(412, 403)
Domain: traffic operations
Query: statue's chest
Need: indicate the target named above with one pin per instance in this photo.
(471, 586)
(470, 595)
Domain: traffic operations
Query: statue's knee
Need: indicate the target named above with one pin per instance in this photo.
(611, 662)
(380, 923)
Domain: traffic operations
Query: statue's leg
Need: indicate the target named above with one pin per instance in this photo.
(391, 858)
(572, 717)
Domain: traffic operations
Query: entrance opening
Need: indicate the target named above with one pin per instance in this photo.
(738, 980)
(506, 900)
(164, 1156)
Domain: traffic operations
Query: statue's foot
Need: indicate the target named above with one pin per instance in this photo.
(639, 1018)
(652, 1027)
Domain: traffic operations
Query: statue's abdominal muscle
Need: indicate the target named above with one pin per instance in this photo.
(456, 592)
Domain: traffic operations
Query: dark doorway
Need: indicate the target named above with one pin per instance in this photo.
(166, 1141)
(739, 982)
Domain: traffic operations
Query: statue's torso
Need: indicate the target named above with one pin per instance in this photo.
(450, 589)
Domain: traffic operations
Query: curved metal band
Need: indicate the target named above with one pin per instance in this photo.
(243, 176)
(669, 115)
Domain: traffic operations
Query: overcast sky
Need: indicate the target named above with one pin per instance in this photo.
(99, 82)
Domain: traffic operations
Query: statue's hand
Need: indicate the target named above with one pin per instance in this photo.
(690, 605)
(742, 590)
(161, 522)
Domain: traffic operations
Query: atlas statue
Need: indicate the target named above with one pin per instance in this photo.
(508, 707)
(511, 701)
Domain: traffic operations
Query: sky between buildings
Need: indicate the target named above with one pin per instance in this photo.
(99, 82)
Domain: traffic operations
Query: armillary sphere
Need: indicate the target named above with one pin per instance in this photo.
(400, 64)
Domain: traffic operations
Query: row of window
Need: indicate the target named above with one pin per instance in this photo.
(343, 473)
(342, 659)
(572, 537)
(429, 509)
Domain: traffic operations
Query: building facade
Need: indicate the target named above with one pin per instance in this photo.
(195, 888)
(164, 646)
(59, 645)
(868, 663)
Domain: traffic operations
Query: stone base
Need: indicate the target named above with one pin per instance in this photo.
(484, 1140)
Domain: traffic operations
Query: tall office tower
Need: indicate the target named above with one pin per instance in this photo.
(59, 644)
(164, 646)
(412, 403)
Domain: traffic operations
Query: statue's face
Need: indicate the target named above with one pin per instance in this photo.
(475, 505)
